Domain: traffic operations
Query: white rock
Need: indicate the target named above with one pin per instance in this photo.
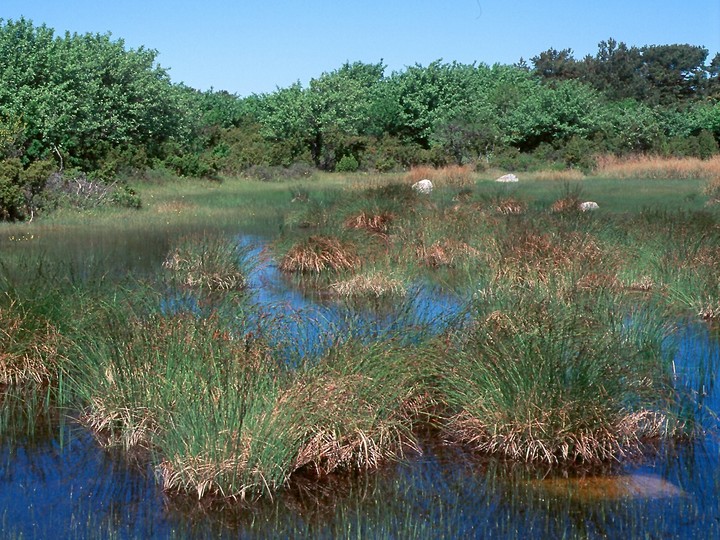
(507, 178)
(589, 205)
(423, 186)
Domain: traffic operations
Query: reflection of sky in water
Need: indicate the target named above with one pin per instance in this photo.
(66, 486)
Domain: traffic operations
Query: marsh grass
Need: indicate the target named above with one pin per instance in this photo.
(552, 362)
(375, 223)
(370, 285)
(360, 403)
(207, 261)
(447, 176)
(29, 347)
(536, 380)
(655, 167)
(319, 254)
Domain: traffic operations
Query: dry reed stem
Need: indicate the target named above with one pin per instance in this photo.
(656, 167)
(120, 426)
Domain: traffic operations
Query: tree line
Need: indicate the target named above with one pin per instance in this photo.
(89, 105)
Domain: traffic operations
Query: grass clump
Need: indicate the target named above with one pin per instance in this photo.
(359, 405)
(541, 381)
(206, 261)
(377, 224)
(372, 285)
(318, 254)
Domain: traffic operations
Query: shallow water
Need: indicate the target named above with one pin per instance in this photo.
(60, 483)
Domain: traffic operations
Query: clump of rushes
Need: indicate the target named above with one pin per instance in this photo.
(201, 397)
(29, 347)
(374, 223)
(540, 381)
(375, 284)
(206, 261)
(509, 206)
(317, 254)
(444, 253)
(131, 370)
(354, 409)
(530, 257)
(357, 406)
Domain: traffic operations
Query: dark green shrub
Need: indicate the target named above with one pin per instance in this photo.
(347, 164)
(12, 199)
(125, 197)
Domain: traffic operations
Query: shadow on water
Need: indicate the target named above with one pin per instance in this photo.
(60, 482)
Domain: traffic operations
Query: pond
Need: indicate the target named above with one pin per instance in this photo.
(57, 481)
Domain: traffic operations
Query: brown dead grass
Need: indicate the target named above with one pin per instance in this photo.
(26, 354)
(510, 206)
(378, 224)
(656, 167)
(318, 254)
(533, 441)
(565, 175)
(445, 253)
(712, 190)
(450, 175)
(376, 285)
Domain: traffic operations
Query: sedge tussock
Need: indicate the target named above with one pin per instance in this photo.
(29, 348)
(206, 262)
(376, 285)
(534, 257)
(551, 437)
(319, 254)
(378, 224)
(535, 382)
(568, 204)
(510, 206)
(353, 421)
(445, 253)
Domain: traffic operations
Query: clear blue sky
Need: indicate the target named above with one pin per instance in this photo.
(254, 46)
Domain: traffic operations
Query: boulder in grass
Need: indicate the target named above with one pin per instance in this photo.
(507, 178)
(423, 186)
(589, 206)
